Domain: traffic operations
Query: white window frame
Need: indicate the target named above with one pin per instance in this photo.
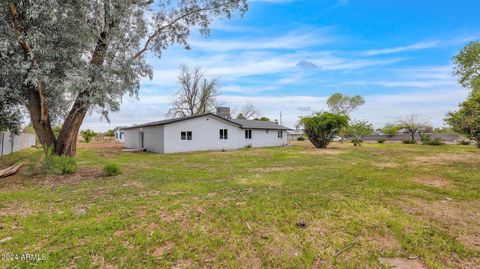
(279, 134)
(186, 136)
(248, 134)
(223, 134)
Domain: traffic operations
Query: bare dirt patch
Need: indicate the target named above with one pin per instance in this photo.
(460, 219)
(166, 249)
(183, 263)
(100, 145)
(16, 209)
(447, 158)
(436, 182)
(401, 263)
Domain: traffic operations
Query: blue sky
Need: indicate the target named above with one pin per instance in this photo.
(290, 55)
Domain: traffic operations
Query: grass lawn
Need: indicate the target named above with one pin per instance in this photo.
(294, 207)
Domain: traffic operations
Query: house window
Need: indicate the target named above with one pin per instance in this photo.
(223, 133)
(279, 134)
(248, 134)
(186, 135)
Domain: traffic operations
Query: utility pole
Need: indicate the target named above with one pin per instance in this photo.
(281, 123)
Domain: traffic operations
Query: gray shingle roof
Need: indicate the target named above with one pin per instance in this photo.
(245, 124)
(259, 124)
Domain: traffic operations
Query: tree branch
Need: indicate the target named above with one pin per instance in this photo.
(162, 28)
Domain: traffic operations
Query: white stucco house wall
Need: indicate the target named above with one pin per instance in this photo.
(119, 134)
(204, 132)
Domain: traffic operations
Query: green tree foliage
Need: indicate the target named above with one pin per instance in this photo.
(88, 135)
(10, 110)
(321, 127)
(263, 118)
(65, 58)
(466, 120)
(467, 66)
(240, 116)
(344, 104)
(359, 129)
(390, 129)
(110, 132)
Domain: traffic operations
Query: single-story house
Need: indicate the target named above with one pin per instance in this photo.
(119, 133)
(293, 135)
(204, 132)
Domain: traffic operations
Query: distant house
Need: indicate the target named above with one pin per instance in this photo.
(293, 135)
(204, 132)
(119, 133)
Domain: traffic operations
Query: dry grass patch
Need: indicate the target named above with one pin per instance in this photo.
(401, 263)
(447, 158)
(383, 165)
(460, 219)
(272, 169)
(435, 182)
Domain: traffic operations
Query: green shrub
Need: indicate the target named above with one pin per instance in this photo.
(54, 164)
(112, 170)
(433, 142)
(300, 138)
(464, 142)
(88, 135)
(64, 165)
(381, 140)
(409, 141)
(248, 146)
(32, 164)
(46, 164)
(357, 142)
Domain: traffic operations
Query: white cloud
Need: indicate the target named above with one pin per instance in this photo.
(294, 40)
(417, 46)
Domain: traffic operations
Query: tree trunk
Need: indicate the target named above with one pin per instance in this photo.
(67, 140)
(41, 125)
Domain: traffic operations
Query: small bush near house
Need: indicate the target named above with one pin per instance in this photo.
(381, 140)
(248, 146)
(300, 138)
(409, 141)
(112, 170)
(464, 142)
(64, 165)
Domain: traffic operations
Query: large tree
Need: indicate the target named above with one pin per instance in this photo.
(197, 94)
(467, 67)
(65, 58)
(344, 104)
(321, 127)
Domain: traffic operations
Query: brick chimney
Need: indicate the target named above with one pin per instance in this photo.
(223, 112)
